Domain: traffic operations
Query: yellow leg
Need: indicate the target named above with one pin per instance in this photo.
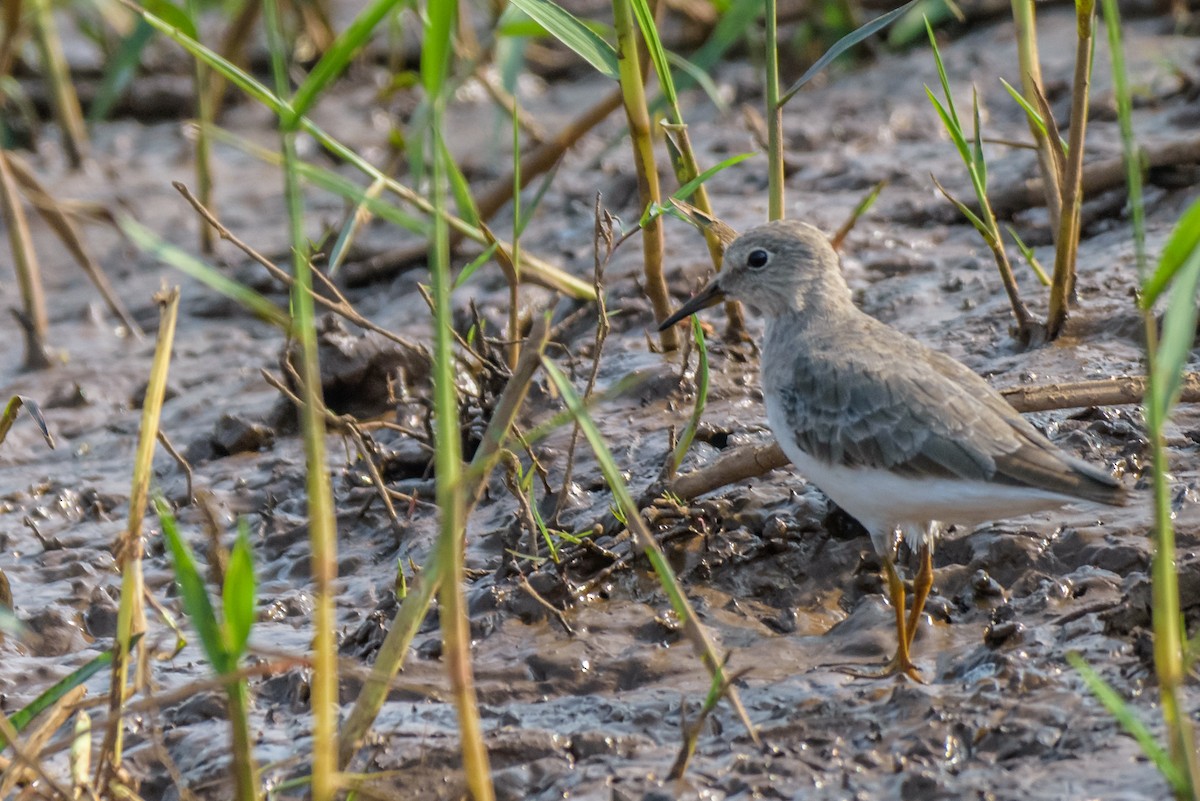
(922, 584)
(901, 662)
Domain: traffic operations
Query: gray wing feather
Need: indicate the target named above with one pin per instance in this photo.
(862, 408)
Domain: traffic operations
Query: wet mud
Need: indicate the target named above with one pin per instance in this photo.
(588, 701)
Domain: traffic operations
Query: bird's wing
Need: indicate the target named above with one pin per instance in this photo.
(859, 409)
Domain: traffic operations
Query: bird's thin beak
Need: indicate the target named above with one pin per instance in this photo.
(711, 295)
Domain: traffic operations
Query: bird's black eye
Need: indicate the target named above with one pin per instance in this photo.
(757, 259)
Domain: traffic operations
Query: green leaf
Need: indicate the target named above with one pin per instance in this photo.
(119, 70)
(658, 55)
(1178, 334)
(1179, 248)
(842, 45)
(977, 151)
(1125, 715)
(436, 44)
(688, 189)
(340, 53)
(191, 588)
(572, 32)
(459, 186)
(14, 405)
(941, 70)
(952, 126)
(239, 595)
(149, 242)
(979, 224)
(701, 77)
(50, 696)
(1030, 257)
(232, 73)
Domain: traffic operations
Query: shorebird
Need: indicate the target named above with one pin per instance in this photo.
(901, 437)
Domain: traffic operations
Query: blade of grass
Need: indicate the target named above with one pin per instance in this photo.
(149, 242)
(693, 628)
(48, 697)
(416, 602)
(547, 274)
(14, 405)
(1124, 714)
(129, 549)
(569, 30)
(842, 45)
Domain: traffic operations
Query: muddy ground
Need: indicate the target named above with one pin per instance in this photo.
(595, 712)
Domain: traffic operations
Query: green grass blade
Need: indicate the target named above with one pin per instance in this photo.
(1180, 247)
(654, 45)
(625, 509)
(950, 122)
(1129, 147)
(459, 186)
(845, 43)
(21, 718)
(1030, 257)
(436, 44)
(13, 407)
(1125, 715)
(701, 78)
(329, 181)
(239, 595)
(689, 189)
(196, 602)
(569, 30)
(149, 242)
(941, 70)
(232, 73)
(1030, 111)
(977, 149)
(1178, 333)
(119, 70)
(339, 54)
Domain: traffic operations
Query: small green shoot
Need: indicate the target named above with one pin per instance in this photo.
(223, 637)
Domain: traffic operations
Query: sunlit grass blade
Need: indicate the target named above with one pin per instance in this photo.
(569, 30)
(1175, 254)
(22, 717)
(687, 190)
(1129, 146)
(192, 591)
(654, 46)
(701, 77)
(1178, 332)
(13, 407)
(1119, 709)
(332, 182)
(119, 70)
(842, 45)
(169, 254)
(631, 517)
(339, 54)
(239, 594)
(1030, 257)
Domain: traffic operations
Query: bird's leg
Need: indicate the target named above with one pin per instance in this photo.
(901, 662)
(922, 584)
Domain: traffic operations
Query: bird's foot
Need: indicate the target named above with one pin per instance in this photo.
(896, 666)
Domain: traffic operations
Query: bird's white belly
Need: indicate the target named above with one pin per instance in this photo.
(882, 500)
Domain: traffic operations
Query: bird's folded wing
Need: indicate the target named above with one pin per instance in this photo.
(944, 423)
